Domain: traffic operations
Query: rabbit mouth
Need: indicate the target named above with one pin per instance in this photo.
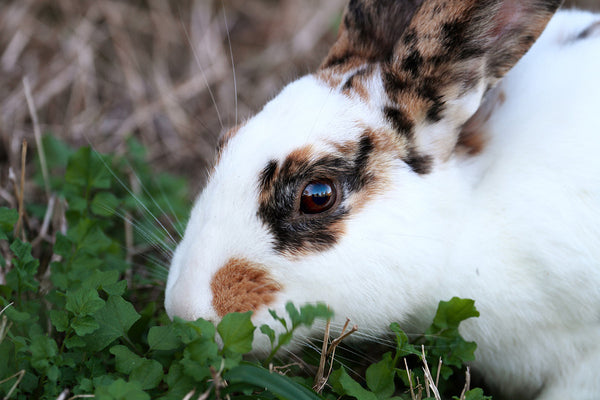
(242, 285)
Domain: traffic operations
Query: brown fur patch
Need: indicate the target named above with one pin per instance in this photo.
(385, 150)
(295, 164)
(357, 83)
(241, 286)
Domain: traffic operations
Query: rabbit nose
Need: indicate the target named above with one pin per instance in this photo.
(189, 301)
(241, 285)
(180, 309)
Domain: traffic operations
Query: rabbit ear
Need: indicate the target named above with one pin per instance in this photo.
(370, 30)
(437, 67)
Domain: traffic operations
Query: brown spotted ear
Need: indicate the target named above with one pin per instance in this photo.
(436, 59)
(369, 31)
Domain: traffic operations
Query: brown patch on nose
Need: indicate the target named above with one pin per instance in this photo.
(241, 286)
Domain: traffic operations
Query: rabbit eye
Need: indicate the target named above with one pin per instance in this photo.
(318, 196)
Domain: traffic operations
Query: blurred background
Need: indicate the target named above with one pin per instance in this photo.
(162, 71)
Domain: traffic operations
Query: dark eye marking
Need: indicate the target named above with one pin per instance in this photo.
(302, 200)
(267, 175)
(318, 196)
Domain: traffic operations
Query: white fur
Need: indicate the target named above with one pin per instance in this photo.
(516, 228)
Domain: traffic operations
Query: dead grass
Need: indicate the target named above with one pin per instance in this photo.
(101, 70)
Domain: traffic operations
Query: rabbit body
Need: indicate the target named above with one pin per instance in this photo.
(512, 221)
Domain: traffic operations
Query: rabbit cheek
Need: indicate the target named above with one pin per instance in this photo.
(241, 286)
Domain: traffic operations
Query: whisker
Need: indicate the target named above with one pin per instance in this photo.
(132, 194)
(155, 268)
(197, 59)
(151, 238)
(235, 96)
(179, 226)
(167, 215)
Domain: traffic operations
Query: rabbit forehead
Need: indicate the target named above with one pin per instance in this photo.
(307, 111)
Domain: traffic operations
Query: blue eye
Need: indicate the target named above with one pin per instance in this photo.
(318, 196)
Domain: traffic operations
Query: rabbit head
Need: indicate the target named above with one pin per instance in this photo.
(345, 188)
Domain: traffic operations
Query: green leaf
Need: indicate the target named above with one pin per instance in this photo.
(16, 316)
(179, 383)
(89, 237)
(43, 349)
(104, 204)
(87, 170)
(8, 219)
(451, 313)
(267, 330)
(237, 332)
(57, 152)
(293, 313)
(63, 246)
(189, 331)
(84, 301)
(125, 359)
(149, 374)
(101, 278)
(403, 346)
(380, 377)
(202, 351)
(121, 390)
(53, 373)
(74, 342)
(343, 384)
(59, 319)
(475, 394)
(115, 319)
(22, 251)
(310, 312)
(276, 317)
(22, 276)
(282, 386)
(114, 289)
(163, 338)
(84, 325)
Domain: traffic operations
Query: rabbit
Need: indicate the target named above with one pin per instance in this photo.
(440, 150)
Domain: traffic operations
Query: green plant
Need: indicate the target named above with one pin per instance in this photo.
(80, 317)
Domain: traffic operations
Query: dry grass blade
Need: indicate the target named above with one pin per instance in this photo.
(37, 134)
(19, 375)
(5, 324)
(413, 396)
(320, 381)
(328, 352)
(429, 381)
(467, 384)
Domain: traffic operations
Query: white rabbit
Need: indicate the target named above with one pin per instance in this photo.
(363, 186)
